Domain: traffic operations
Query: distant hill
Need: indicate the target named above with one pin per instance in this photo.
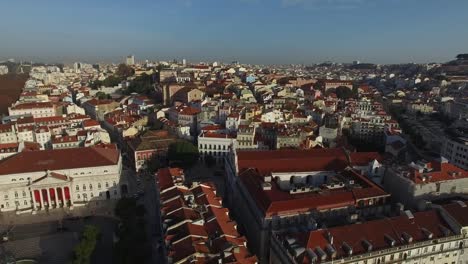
(10, 89)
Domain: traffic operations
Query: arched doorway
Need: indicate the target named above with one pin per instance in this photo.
(107, 195)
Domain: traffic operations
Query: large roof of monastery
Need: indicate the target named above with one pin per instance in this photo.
(59, 159)
(286, 160)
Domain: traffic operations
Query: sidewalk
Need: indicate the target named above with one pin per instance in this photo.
(105, 208)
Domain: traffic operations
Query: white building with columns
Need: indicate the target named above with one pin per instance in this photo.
(49, 179)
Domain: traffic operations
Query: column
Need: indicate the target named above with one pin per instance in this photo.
(56, 198)
(42, 199)
(64, 201)
(48, 197)
(34, 205)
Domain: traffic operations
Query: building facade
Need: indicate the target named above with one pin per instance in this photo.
(49, 179)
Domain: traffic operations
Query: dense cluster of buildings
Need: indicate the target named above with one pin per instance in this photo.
(197, 227)
(327, 163)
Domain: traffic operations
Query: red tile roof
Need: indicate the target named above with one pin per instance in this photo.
(255, 165)
(32, 105)
(214, 233)
(59, 159)
(374, 232)
(459, 211)
(286, 160)
(438, 171)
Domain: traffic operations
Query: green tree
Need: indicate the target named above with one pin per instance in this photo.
(143, 84)
(124, 70)
(343, 92)
(355, 92)
(83, 251)
(102, 96)
(125, 208)
(183, 153)
(153, 164)
(133, 245)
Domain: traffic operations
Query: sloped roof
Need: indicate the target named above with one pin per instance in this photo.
(59, 159)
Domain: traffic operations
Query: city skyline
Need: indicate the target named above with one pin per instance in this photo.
(249, 31)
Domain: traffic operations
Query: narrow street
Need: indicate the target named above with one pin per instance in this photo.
(153, 214)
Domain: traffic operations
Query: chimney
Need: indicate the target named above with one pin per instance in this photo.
(390, 241)
(407, 237)
(348, 249)
(331, 251)
(321, 254)
(428, 234)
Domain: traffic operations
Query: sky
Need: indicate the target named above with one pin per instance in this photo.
(248, 31)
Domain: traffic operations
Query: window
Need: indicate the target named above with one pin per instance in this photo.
(6, 196)
(25, 202)
(77, 188)
(16, 194)
(24, 194)
(115, 184)
(78, 196)
(84, 187)
(90, 186)
(99, 185)
(21, 179)
(13, 179)
(105, 170)
(115, 192)
(107, 185)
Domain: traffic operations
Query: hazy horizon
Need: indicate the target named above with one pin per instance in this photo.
(248, 31)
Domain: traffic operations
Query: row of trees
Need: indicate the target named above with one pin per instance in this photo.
(134, 245)
(143, 84)
(344, 92)
(122, 73)
(83, 251)
(181, 154)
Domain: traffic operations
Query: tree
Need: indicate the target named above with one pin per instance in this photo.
(355, 92)
(143, 84)
(102, 96)
(153, 164)
(183, 153)
(343, 92)
(124, 70)
(125, 208)
(83, 251)
(133, 245)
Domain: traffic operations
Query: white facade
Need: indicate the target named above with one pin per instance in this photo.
(35, 111)
(39, 190)
(7, 134)
(3, 69)
(456, 151)
(218, 146)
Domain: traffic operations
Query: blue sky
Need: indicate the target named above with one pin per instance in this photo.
(251, 31)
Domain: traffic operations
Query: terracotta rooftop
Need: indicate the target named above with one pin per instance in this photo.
(32, 105)
(415, 225)
(459, 211)
(59, 159)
